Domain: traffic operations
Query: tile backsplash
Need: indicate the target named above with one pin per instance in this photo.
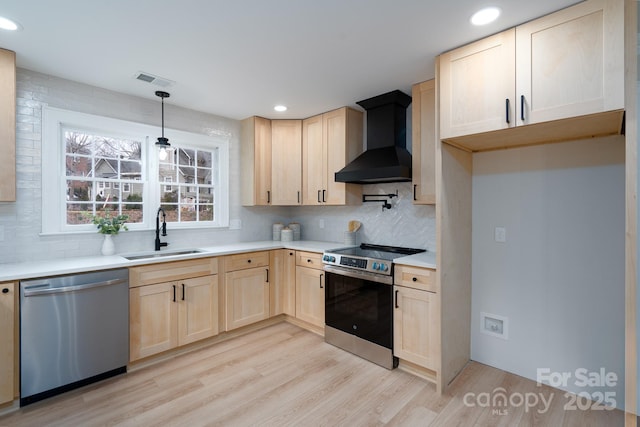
(20, 222)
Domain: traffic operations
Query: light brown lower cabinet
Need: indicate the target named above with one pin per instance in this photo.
(416, 317)
(310, 295)
(283, 283)
(247, 297)
(8, 341)
(415, 323)
(167, 315)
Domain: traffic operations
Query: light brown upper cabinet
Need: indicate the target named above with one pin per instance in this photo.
(286, 162)
(329, 142)
(424, 137)
(255, 155)
(7, 126)
(567, 69)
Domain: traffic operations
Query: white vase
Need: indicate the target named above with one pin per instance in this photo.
(108, 247)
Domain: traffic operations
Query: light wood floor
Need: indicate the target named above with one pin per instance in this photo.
(285, 376)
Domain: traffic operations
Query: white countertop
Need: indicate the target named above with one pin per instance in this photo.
(33, 269)
(423, 260)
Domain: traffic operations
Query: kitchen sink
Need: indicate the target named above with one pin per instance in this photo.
(149, 255)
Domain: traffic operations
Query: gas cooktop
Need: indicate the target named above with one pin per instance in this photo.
(367, 257)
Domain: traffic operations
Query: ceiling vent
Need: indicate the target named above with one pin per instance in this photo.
(155, 80)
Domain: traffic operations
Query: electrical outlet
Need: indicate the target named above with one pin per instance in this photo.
(500, 234)
(321, 223)
(494, 325)
(235, 224)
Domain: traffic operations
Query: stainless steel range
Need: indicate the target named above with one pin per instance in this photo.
(359, 300)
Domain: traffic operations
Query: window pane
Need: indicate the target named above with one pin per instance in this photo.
(130, 150)
(171, 211)
(110, 208)
(204, 176)
(130, 170)
(78, 166)
(204, 159)
(77, 142)
(205, 195)
(106, 168)
(205, 212)
(188, 214)
(187, 175)
(186, 157)
(79, 213)
(79, 191)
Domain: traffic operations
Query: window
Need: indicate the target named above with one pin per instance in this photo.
(108, 165)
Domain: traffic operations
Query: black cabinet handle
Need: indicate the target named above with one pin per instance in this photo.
(323, 194)
(298, 197)
(183, 292)
(522, 107)
(174, 293)
(319, 196)
(415, 279)
(249, 261)
(267, 274)
(396, 304)
(507, 109)
(414, 191)
(268, 196)
(5, 290)
(290, 253)
(321, 280)
(309, 260)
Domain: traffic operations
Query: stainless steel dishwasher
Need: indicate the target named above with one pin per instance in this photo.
(74, 330)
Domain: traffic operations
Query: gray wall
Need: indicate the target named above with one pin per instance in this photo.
(559, 278)
(20, 222)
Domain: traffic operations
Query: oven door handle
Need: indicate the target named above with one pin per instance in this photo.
(387, 280)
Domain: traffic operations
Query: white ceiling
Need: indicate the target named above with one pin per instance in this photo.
(237, 58)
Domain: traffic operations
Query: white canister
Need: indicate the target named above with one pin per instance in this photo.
(296, 230)
(277, 229)
(350, 238)
(287, 234)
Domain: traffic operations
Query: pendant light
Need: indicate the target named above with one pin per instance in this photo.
(162, 143)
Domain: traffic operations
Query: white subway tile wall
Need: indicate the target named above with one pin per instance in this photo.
(404, 224)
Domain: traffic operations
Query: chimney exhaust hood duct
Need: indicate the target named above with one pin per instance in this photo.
(386, 158)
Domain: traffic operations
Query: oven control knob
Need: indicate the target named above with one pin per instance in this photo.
(332, 259)
(383, 267)
(375, 266)
(325, 258)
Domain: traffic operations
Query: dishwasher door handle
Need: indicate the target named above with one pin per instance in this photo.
(44, 289)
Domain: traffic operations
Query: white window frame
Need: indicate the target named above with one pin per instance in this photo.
(54, 188)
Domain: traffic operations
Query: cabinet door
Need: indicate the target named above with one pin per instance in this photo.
(415, 326)
(198, 309)
(247, 297)
(335, 155)
(286, 162)
(313, 161)
(283, 282)
(153, 311)
(477, 86)
(310, 295)
(7, 126)
(424, 142)
(262, 161)
(8, 344)
(569, 63)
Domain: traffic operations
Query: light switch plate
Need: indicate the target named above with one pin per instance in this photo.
(500, 234)
(235, 224)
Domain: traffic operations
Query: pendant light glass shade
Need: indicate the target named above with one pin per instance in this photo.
(162, 143)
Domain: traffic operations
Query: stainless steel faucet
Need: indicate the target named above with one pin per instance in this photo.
(160, 244)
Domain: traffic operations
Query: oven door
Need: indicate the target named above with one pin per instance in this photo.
(360, 304)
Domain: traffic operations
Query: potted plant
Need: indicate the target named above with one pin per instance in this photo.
(109, 225)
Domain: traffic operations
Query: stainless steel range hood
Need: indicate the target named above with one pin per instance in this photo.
(386, 158)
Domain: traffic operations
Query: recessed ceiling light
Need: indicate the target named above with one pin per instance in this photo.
(485, 16)
(8, 24)
(280, 108)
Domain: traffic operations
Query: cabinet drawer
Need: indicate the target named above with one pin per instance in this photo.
(416, 278)
(309, 259)
(177, 270)
(246, 260)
